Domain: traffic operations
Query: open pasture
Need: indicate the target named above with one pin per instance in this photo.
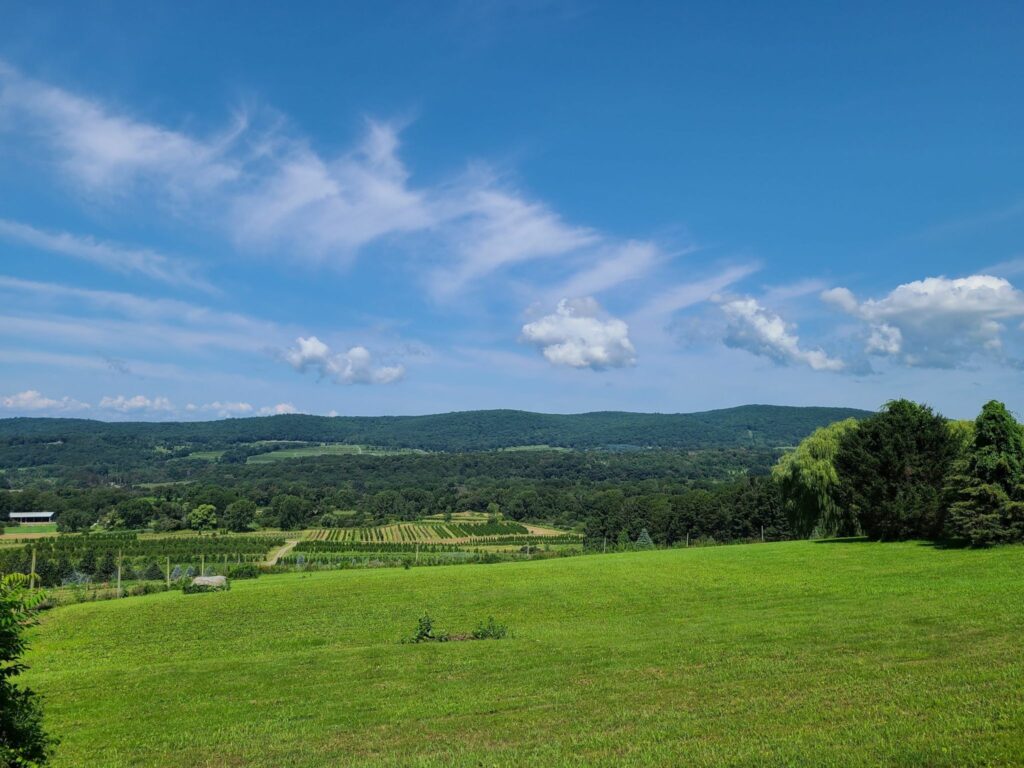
(834, 654)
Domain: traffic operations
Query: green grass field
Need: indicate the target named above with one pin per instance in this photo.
(330, 449)
(800, 653)
(30, 528)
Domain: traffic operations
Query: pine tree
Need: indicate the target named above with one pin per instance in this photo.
(643, 541)
(988, 482)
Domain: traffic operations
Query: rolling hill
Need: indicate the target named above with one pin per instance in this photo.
(745, 426)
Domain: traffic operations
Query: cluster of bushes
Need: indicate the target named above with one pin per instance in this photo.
(485, 630)
(909, 473)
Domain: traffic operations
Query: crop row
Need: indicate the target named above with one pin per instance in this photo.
(421, 531)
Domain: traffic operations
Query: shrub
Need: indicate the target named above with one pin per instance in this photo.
(490, 630)
(195, 589)
(425, 632)
(244, 571)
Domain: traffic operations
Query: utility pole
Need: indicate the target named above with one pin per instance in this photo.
(32, 572)
(120, 558)
(202, 564)
(167, 571)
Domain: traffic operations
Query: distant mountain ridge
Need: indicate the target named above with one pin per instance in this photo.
(739, 427)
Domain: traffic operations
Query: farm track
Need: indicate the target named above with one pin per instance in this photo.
(289, 545)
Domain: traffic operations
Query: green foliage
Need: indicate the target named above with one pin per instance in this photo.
(244, 571)
(808, 482)
(425, 632)
(240, 515)
(892, 468)
(987, 484)
(490, 630)
(108, 448)
(23, 742)
(291, 511)
(202, 518)
(643, 541)
(196, 589)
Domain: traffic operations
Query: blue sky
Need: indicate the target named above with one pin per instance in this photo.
(228, 209)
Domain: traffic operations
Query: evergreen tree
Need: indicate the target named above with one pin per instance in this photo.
(988, 483)
(107, 566)
(643, 541)
(891, 471)
(23, 742)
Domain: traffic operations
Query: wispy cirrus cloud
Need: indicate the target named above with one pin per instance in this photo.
(103, 148)
(113, 256)
(267, 189)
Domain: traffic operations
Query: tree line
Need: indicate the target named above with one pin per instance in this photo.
(909, 473)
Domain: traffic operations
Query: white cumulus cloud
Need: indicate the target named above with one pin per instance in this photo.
(138, 403)
(762, 332)
(356, 366)
(278, 410)
(580, 334)
(33, 400)
(936, 322)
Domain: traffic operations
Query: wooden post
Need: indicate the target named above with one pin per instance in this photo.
(417, 551)
(762, 533)
(32, 572)
(167, 570)
(604, 546)
(202, 564)
(120, 557)
(687, 538)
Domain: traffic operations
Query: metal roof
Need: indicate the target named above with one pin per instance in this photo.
(40, 515)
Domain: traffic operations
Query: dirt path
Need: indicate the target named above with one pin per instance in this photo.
(289, 545)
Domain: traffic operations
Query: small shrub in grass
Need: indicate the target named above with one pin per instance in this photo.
(244, 571)
(490, 630)
(425, 632)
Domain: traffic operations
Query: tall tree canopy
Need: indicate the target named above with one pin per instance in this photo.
(808, 481)
(892, 469)
(987, 485)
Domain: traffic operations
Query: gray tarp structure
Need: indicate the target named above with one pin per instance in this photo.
(210, 581)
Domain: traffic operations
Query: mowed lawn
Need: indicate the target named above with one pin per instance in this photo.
(772, 654)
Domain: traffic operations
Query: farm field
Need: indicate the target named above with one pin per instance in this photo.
(28, 531)
(460, 530)
(329, 449)
(805, 653)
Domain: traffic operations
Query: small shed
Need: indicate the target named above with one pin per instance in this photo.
(31, 518)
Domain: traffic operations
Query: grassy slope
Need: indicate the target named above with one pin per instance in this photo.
(798, 653)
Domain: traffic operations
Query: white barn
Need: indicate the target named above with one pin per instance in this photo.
(30, 518)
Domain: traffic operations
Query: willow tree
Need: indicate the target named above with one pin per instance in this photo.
(987, 484)
(807, 481)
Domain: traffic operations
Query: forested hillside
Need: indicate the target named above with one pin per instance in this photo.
(28, 442)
